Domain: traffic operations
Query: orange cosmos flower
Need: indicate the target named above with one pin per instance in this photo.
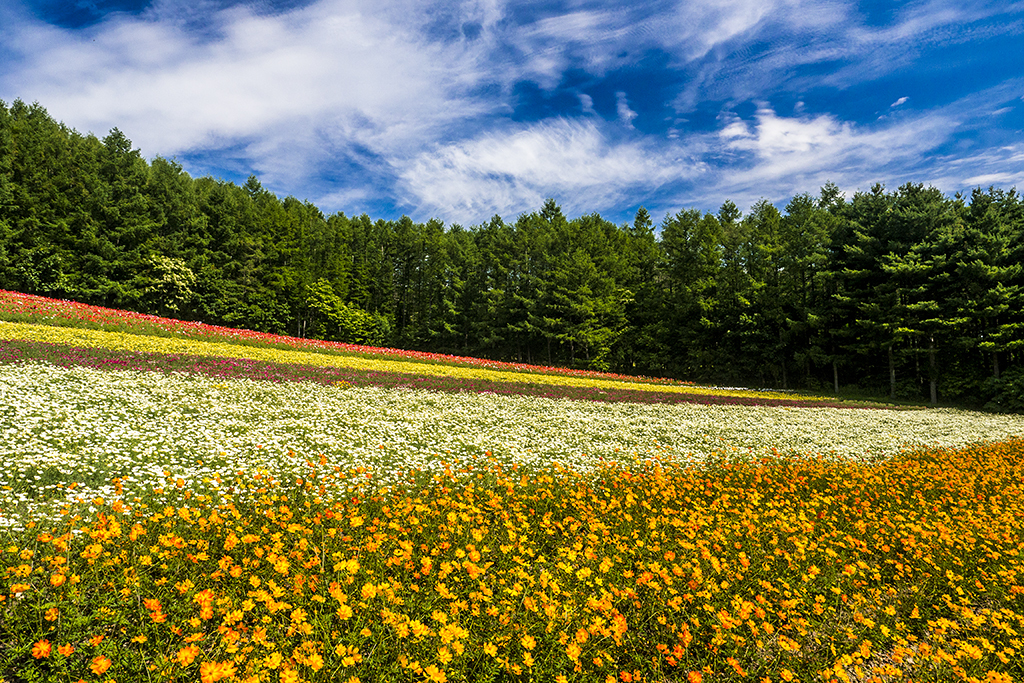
(66, 649)
(694, 677)
(210, 672)
(735, 664)
(100, 664)
(41, 650)
(57, 580)
(187, 655)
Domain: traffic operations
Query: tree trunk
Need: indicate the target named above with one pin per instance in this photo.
(933, 379)
(995, 364)
(835, 377)
(785, 378)
(892, 373)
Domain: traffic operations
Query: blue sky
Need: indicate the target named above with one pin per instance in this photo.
(468, 108)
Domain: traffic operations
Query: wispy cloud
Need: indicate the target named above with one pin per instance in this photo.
(778, 157)
(626, 115)
(514, 171)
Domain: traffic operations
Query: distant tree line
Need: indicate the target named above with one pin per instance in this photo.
(907, 293)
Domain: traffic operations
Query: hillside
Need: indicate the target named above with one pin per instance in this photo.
(180, 506)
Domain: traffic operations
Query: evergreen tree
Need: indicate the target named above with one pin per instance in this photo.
(692, 247)
(646, 329)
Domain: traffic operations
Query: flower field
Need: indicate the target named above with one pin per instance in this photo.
(77, 339)
(82, 427)
(18, 307)
(207, 513)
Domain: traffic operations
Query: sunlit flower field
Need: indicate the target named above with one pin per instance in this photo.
(191, 518)
(70, 431)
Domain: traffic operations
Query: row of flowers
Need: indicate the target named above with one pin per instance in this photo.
(137, 343)
(64, 355)
(773, 569)
(15, 306)
(68, 431)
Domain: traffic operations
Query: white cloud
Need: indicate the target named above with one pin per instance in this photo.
(900, 101)
(701, 26)
(603, 39)
(547, 47)
(332, 71)
(1000, 166)
(791, 35)
(626, 115)
(778, 157)
(515, 171)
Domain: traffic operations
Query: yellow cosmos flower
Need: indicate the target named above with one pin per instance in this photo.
(434, 674)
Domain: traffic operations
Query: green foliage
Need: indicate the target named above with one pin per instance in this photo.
(167, 284)
(1006, 391)
(340, 321)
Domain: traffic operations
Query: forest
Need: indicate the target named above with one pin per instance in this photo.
(904, 293)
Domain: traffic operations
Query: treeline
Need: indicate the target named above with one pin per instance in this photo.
(905, 292)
